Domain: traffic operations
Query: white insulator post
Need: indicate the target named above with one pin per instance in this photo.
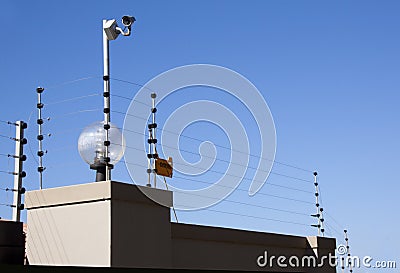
(149, 157)
(19, 158)
(155, 155)
(318, 215)
(346, 238)
(322, 220)
(40, 137)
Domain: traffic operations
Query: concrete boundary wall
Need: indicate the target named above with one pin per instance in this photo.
(114, 224)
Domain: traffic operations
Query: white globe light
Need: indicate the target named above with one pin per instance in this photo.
(91, 143)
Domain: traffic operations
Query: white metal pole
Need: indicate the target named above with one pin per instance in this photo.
(346, 238)
(149, 166)
(39, 91)
(19, 150)
(153, 102)
(106, 79)
(317, 203)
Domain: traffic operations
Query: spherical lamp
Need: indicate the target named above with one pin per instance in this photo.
(92, 147)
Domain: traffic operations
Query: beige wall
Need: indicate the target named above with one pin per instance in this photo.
(56, 238)
(222, 248)
(141, 230)
(69, 226)
(115, 224)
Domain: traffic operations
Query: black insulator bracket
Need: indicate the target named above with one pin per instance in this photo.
(152, 125)
(152, 155)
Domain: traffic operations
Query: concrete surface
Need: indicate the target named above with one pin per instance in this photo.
(113, 224)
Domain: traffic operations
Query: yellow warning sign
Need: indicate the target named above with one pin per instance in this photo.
(163, 168)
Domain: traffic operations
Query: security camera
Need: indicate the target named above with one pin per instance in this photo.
(128, 20)
(112, 30)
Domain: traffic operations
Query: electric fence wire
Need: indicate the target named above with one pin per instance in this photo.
(73, 99)
(8, 122)
(173, 207)
(7, 205)
(333, 231)
(240, 189)
(146, 104)
(58, 117)
(252, 216)
(217, 145)
(219, 159)
(130, 99)
(196, 139)
(281, 163)
(215, 158)
(6, 164)
(7, 172)
(237, 176)
(51, 87)
(5, 136)
(167, 131)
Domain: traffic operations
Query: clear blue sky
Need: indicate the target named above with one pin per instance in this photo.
(329, 72)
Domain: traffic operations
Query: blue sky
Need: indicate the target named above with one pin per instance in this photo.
(329, 72)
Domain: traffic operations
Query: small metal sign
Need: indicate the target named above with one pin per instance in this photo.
(163, 168)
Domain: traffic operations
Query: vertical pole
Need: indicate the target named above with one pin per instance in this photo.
(18, 173)
(149, 155)
(317, 203)
(346, 238)
(152, 152)
(153, 112)
(40, 153)
(106, 94)
(322, 221)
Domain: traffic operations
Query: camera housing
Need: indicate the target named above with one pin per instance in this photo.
(110, 29)
(128, 20)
